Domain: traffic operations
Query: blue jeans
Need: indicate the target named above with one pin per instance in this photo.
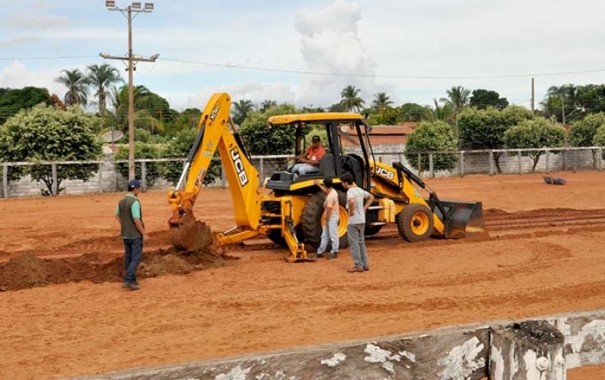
(303, 168)
(357, 243)
(329, 232)
(133, 251)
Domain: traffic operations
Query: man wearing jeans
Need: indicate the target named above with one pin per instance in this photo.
(329, 219)
(130, 217)
(357, 222)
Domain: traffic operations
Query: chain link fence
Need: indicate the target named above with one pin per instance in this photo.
(105, 175)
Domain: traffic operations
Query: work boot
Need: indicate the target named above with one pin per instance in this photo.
(332, 256)
(131, 286)
(355, 270)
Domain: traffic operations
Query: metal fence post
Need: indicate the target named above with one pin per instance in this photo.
(547, 157)
(520, 165)
(54, 187)
(491, 162)
(431, 169)
(419, 164)
(262, 170)
(461, 163)
(100, 177)
(223, 177)
(575, 160)
(600, 151)
(5, 180)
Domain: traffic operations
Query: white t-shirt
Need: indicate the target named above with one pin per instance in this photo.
(359, 195)
(332, 200)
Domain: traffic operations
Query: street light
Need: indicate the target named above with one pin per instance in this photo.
(135, 8)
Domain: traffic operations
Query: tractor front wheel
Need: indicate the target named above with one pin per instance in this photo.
(415, 223)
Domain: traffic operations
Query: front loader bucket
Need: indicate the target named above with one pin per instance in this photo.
(463, 219)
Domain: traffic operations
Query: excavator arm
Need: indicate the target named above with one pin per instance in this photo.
(216, 131)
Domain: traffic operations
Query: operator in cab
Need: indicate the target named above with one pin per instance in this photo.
(308, 161)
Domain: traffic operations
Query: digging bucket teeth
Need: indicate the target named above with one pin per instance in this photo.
(463, 219)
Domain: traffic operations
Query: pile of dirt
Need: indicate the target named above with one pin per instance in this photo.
(28, 271)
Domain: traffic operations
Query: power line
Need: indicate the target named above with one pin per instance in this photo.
(47, 58)
(362, 75)
(310, 72)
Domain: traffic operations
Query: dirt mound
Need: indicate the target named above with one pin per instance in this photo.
(28, 271)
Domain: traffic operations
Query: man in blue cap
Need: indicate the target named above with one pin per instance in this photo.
(130, 217)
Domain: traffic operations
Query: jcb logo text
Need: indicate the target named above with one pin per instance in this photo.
(239, 167)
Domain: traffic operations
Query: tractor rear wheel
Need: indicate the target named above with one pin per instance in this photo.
(311, 221)
(415, 223)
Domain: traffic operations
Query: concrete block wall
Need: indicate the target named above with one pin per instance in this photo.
(460, 352)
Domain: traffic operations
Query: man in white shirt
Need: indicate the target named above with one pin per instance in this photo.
(357, 222)
(329, 220)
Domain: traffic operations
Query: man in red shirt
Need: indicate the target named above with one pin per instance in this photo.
(308, 161)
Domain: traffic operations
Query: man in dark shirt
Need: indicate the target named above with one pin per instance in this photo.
(130, 217)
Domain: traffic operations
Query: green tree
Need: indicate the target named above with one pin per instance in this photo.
(179, 147)
(537, 133)
(262, 140)
(102, 78)
(599, 139)
(381, 101)
(241, 109)
(45, 133)
(457, 98)
(151, 111)
(435, 136)
(77, 87)
(266, 104)
(15, 100)
(350, 99)
(484, 129)
(188, 119)
(141, 151)
(482, 99)
(442, 112)
(414, 112)
(385, 115)
(583, 132)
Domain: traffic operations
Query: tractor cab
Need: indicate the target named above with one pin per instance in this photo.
(336, 161)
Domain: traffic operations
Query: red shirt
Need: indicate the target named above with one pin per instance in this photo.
(315, 154)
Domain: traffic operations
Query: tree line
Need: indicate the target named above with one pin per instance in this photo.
(38, 126)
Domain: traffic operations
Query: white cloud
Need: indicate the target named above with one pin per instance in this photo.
(38, 21)
(330, 44)
(17, 75)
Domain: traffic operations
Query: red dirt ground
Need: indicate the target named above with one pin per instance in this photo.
(544, 256)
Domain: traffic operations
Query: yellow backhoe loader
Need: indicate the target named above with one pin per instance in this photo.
(289, 210)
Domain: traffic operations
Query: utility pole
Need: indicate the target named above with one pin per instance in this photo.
(135, 8)
(532, 95)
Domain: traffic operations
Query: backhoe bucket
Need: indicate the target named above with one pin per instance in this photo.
(463, 219)
(191, 235)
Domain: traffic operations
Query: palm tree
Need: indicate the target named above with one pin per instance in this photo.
(267, 104)
(120, 103)
(458, 97)
(77, 87)
(241, 109)
(441, 112)
(350, 99)
(381, 101)
(102, 78)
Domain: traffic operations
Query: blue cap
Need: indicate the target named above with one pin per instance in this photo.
(134, 184)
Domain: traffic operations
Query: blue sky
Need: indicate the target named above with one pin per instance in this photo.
(305, 52)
